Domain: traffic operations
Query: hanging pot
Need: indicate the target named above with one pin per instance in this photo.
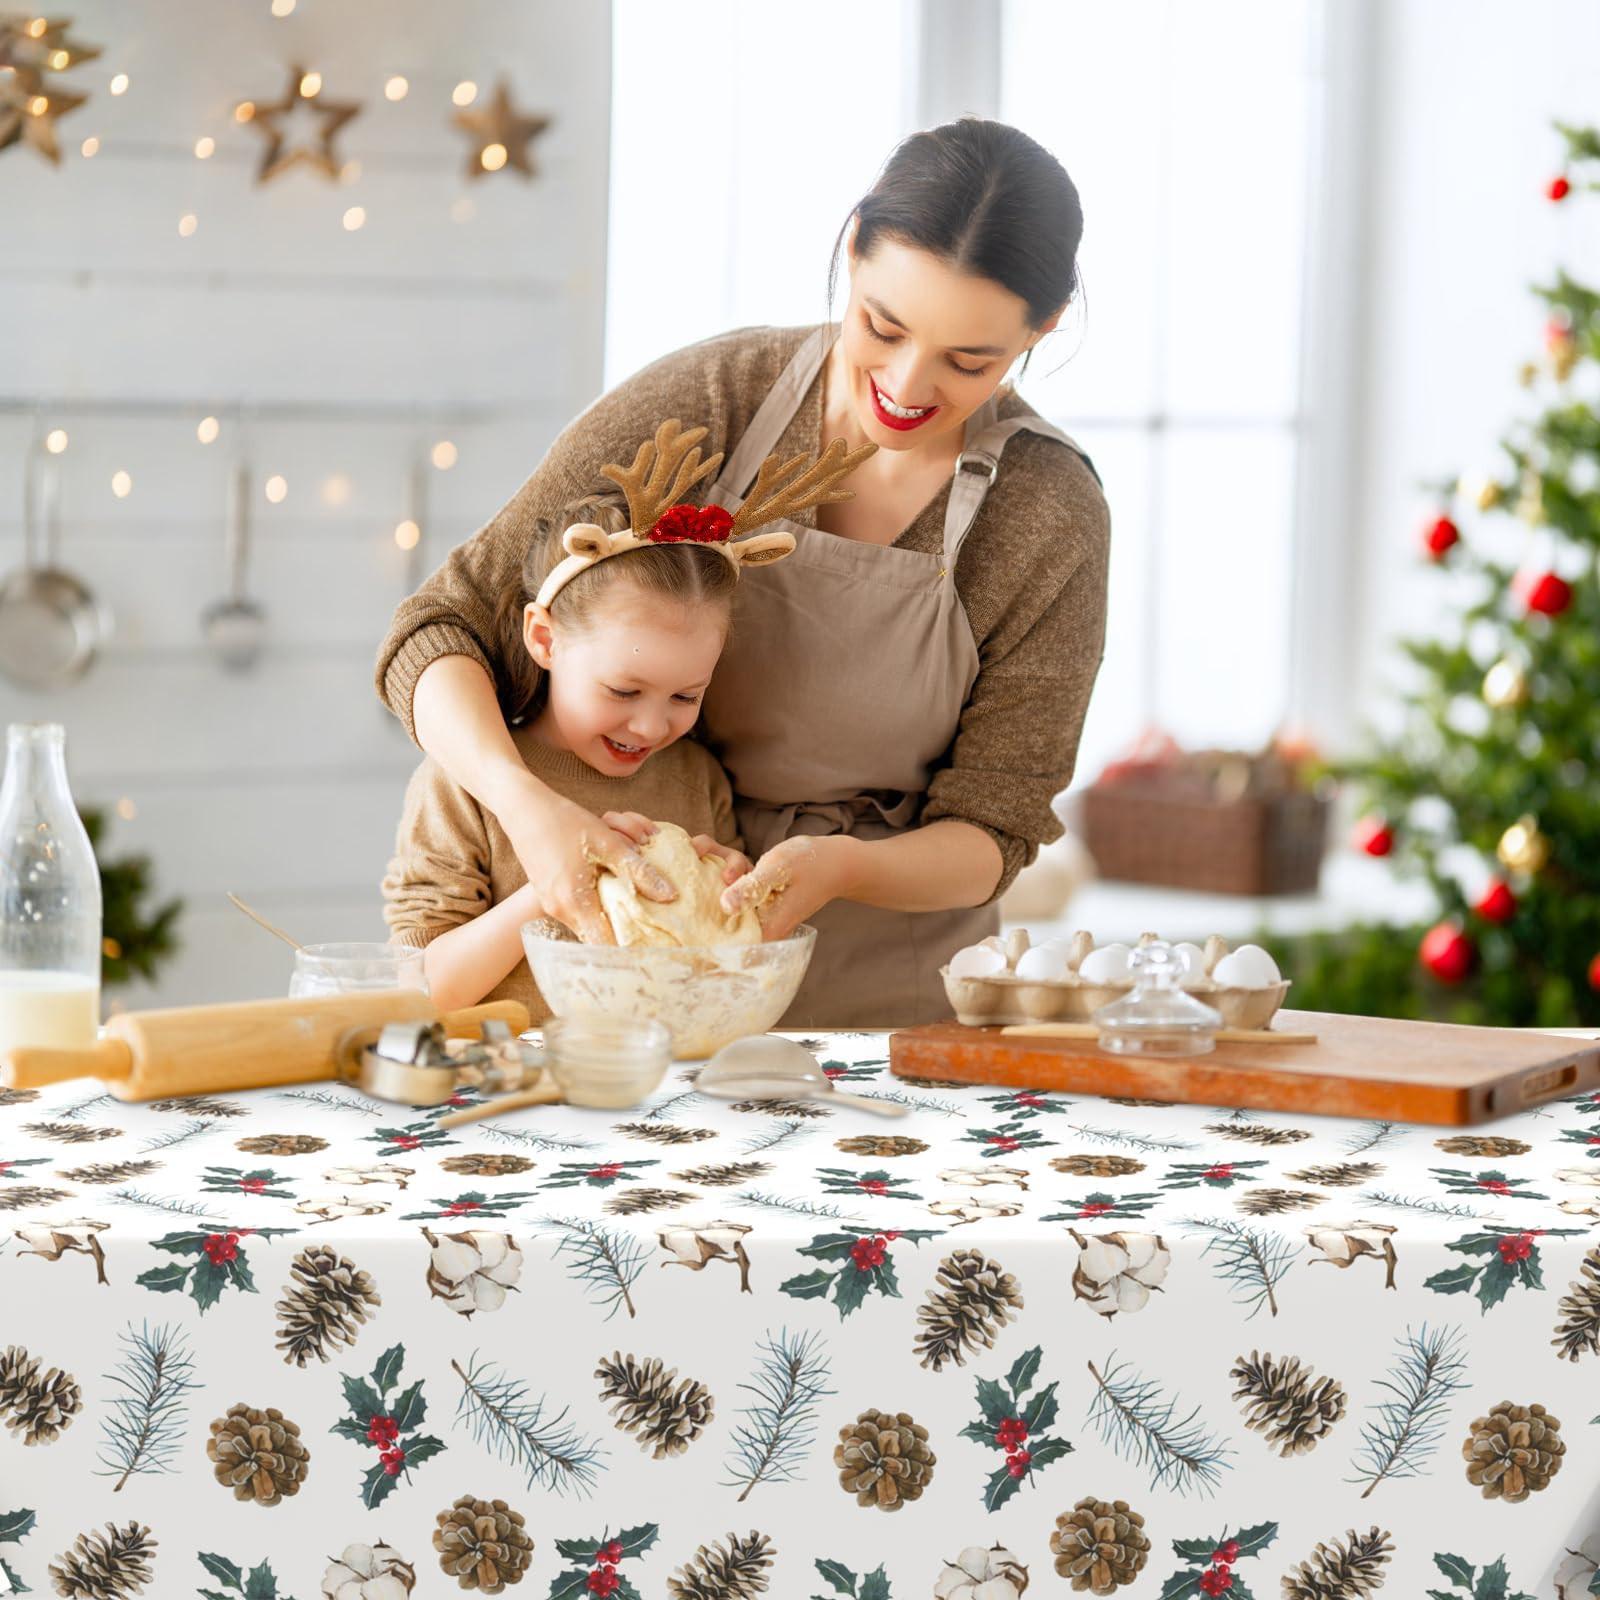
(235, 627)
(51, 625)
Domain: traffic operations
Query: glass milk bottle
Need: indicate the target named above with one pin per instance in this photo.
(49, 899)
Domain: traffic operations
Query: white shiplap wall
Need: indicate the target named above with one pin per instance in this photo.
(325, 353)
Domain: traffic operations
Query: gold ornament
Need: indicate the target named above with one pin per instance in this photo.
(305, 88)
(500, 135)
(1505, 684)
(1481, 490)
(1530, 499)
(1522, 847)
(30, 101)
(1528, 374)
(37, 44)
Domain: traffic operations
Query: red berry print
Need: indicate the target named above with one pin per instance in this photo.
(383, 1431)
(221, 1247)
(1223, 1169)
(460, 1208)
(609, 1170)
(872, 1185)
(407, 1141)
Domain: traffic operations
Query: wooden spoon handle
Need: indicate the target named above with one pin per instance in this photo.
(884, 1108)
(545, 1092)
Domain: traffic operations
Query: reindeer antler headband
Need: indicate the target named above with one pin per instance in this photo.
(667, 468)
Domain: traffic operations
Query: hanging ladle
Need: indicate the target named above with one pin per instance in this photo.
(235, 627)
(765, 1067)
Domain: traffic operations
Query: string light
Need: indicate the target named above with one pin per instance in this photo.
(205, 148)
(37, 28)
(126, 809)
(277, 486)
(187, 223)
(119, 84)
(396, 88)
(311, 86)
(282, 8)
(56, 441)
(464, 92)
(336, 490)
(244, 111)
(208, 430)
(350, 171)
(445, 455)
(493, 157)
(406, 534)
(90, 147)
(354, 218)
(121, 485)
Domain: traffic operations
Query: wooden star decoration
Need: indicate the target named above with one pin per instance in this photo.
(500, 135)
(29, 109)
(279, 155)
(41, 44)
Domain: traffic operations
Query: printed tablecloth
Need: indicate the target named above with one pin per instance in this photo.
(299, 1343)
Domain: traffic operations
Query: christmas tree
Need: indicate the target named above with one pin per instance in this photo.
(135, 941)
(1485, 786)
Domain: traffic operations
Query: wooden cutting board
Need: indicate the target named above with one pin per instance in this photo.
(1359, 1067)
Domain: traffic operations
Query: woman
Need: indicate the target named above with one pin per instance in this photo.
(900, 700)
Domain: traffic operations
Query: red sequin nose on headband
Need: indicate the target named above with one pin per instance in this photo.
(692, 524)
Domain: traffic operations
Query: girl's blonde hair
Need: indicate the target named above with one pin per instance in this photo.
(685, 573)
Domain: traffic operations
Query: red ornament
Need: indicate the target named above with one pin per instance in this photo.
(1374, 836)
(1594, 973)
(1558, 336)
(1440, 537)
(1447, 952)
(1497, 903)
(1548, 594)
(693, 525)
(1558, 188)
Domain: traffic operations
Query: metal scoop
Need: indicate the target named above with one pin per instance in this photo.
(764, 1067)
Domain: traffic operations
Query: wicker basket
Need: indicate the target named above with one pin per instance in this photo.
(1254, 846)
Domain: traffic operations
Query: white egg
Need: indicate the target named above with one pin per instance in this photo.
(1248, 967)
(1192, 960)
(977, 961)
(1108, 964)
(1044, 961)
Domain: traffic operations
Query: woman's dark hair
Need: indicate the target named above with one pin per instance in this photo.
(689, 574)
(984, 198)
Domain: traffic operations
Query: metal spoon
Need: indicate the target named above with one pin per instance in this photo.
(765, 1067)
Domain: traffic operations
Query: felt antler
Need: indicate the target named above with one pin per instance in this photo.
(664, 470)
(783, 488)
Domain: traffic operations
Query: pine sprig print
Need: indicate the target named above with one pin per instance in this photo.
(173, 1137)
(772, 1441)
(770, 1138)
(1422, 1204)
(607, 1261)
(1370, 1136)
(1404, 1431)
(1143, 1425)
(166, 1205)
(797, 1207)
(145, 1423)
(550, 1452)
(1252, 1261)
(1120, 1139)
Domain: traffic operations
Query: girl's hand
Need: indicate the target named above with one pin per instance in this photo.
(631, 824)
(792, 881)
(735, 865)
(561, 846)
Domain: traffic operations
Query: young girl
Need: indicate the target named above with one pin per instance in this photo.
(614, 629)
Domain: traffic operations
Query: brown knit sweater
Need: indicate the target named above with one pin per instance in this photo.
(453, 860)
(1031, 578)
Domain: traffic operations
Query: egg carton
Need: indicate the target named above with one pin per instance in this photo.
(1002, 998)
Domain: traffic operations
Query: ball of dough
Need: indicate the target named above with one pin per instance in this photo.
(694, 918)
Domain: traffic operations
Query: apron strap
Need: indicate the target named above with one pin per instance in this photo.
(978, 466)
(758, 440)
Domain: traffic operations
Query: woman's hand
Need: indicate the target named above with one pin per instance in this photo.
(793, 880)
(560, 846)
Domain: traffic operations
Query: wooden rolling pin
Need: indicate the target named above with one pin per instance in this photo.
(253, 1044)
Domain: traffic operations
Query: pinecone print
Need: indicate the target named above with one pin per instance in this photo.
(1254, 1133)
(1100, 1545)
(664, 1132)
(880, 1144)
(281, 1144)
(18, 1097)
(802, 1109)
(38, 1405)
(1286, 1401)
(484, 1165)
(734, 1573)
(482, 1544)
(1275, 1202)
(883, 1459)
(1130, 1100)
(1578, 1331)
(105, 1566)
(199, 1105)
(724, 1175)
(930, 1083)
(70, 1132)
(19, 1197)
(975, 1299)
(1097, 1166)
(111, 1171)
(666, 1417)
(1338, 1174)
(1513, 1451)
(1348, 1569)
(642, 1201)
(1482, 1144)
(326, 1308)
(258, 1454)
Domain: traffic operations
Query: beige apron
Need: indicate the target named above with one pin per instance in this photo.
(838, 696)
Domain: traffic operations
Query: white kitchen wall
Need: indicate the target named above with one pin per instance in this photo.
(466, 311)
